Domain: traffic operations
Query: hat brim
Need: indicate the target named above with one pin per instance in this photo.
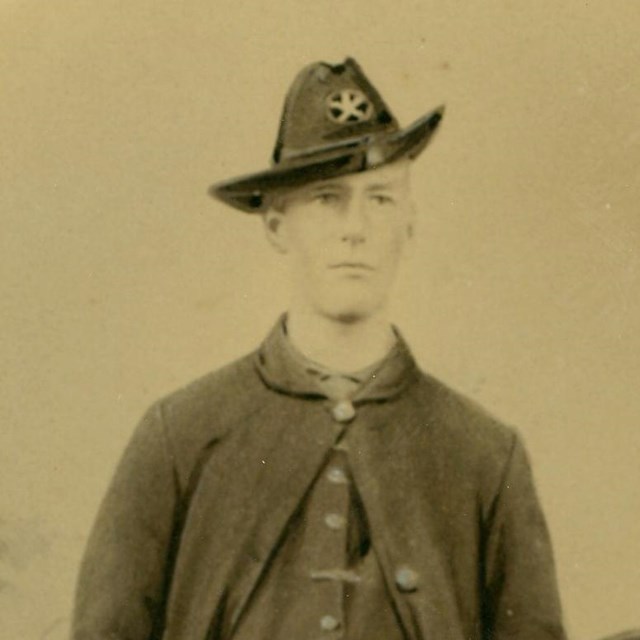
(254, 193)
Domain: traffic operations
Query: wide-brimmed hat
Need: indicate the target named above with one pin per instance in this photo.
(334, 122)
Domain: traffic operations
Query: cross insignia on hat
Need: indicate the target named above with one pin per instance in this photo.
(348, 106)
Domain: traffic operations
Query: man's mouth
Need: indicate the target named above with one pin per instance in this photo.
(349, 265)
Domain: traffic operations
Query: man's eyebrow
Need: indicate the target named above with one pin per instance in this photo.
(382, 186)
(325, 186)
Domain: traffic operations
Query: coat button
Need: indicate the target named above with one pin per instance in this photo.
(329, 623)
(406, 579)
(336, 475)
(344, 411)
(335, 521)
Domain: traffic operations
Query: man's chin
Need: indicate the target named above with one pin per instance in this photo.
(349, 313)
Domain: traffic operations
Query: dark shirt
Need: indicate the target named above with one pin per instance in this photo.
(325, 579)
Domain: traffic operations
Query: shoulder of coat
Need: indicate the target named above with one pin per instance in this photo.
(206, 408)
(462, 421)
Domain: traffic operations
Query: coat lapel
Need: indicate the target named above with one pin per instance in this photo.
(286, 476)
(391, 455)
(240, 511)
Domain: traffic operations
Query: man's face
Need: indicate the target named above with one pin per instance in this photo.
(344, 238)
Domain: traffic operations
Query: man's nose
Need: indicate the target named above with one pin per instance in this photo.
(355, 221)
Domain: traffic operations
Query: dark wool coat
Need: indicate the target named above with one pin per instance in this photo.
(213, 473)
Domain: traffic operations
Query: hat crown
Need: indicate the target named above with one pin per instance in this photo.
(327, 105)
(334, 123)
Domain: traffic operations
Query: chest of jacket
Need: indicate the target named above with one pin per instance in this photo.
(423, 499)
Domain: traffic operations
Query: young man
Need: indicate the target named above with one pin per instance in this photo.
(324, 486)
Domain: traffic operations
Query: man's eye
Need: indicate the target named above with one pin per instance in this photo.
(326, 198)
(381, 199)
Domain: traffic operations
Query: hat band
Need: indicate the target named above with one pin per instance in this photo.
(293, 155)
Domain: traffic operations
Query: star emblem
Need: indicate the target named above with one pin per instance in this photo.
(349, 106)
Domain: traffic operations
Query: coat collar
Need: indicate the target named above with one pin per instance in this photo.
(282, 369)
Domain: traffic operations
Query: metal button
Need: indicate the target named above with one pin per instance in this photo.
(335, 521)
(329, 623)
(407, 579)
(337, 476)
(344, 411)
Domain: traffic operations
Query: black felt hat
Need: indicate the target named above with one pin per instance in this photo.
(334, 122)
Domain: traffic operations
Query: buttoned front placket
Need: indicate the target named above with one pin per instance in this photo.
(327, 514)
(313, 587)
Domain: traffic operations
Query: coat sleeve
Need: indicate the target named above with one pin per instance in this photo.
(520, 577)
(120, 590)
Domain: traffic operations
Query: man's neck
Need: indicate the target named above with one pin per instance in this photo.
(337, 345)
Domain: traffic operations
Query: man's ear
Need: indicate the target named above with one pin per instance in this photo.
(274, 228)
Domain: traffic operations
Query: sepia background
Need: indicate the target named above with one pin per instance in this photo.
(122, 280)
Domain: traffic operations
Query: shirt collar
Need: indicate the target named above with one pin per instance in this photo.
(283, 368)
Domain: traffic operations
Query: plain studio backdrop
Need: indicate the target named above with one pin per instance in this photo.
(122, 280)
